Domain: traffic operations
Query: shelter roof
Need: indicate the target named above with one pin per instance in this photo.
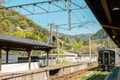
(15, 43)
(107, 13)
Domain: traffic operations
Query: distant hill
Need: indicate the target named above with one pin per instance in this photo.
(101, 34)
(82, 37)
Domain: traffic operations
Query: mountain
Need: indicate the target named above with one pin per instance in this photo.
(101, 34)
(82, 37)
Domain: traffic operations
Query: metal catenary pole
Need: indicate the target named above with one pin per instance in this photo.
(57, 41)
(51, 26)
(89, 49)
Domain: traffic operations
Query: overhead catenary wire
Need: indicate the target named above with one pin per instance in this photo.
(69, 15)
(86, 19)
(93, 24)
(40, 3)
(79, 25)
(53, 2)
(45, 11)
(76, 16)
(49, 10)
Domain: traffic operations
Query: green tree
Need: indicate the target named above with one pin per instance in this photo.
(19, 34)
(78, 46)
(9, 25)
(73, 43)
(36, 37)
(27, 34)
(85, 42)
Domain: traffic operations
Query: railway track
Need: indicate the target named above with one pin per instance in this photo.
(97, 76)
(74, 74)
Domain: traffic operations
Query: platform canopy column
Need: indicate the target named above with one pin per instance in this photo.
(47, 58)
(7, 55)
(29, 58)
(0, 59)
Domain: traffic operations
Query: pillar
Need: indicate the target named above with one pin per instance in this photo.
(47, 59)
(7, 54)
(29, 59)
(0, 59)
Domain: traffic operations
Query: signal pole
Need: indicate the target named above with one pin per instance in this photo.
(57, 41)
(51, 26)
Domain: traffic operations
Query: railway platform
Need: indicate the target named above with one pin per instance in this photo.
(114, 74)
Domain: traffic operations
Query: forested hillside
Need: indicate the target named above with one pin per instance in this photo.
(101, 34)
(13, 24)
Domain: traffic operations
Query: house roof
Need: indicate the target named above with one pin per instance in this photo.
(15, 43)
(107, 13)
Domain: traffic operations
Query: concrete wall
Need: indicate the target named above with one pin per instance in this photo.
(42, 74)
(19, 67)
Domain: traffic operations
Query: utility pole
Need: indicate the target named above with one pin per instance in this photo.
(57, 41)
(51, 26)
(89, 49)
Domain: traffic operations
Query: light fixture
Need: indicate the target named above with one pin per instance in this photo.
(116, 9)
(113, 36)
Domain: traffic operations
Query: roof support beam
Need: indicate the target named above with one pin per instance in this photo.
(111, 27)
(105, 7)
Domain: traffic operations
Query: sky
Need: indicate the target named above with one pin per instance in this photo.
(87, 21)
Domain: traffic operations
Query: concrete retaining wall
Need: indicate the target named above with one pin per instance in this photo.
(42, 74)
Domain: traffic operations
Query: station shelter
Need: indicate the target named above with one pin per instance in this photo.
(8, 43)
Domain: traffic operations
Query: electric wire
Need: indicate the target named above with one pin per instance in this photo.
(49, 7)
